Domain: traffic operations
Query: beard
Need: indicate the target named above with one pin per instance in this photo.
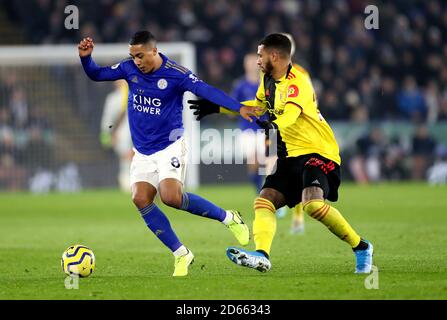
(268, 68)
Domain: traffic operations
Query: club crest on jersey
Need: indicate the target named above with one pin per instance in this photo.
(292, 91)
(162, 84)
(193, 78)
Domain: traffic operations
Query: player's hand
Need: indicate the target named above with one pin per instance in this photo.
(85, 47)
(247, 112)
(203, 108)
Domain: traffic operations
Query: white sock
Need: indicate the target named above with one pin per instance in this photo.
(181, 251)
(228, 218)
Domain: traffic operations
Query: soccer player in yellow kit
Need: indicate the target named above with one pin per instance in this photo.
(297, 226)
(308, 165)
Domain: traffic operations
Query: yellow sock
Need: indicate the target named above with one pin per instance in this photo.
(332, 219)
(298, 213)
(264, 226)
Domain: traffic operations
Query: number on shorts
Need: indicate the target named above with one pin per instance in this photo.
(175, 162)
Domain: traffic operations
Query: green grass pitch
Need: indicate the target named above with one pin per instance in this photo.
(407, 224)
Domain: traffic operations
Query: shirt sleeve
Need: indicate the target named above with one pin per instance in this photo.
(299, 94)
(204, 90)
(289, 117)
(297, 97)
(250, 103)
(97, 73)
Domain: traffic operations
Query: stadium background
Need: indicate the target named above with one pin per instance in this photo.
(393, 79)
(376, 88)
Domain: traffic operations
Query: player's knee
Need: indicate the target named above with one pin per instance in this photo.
(143, 194)
(171, 199)
(263, 203)
(312, 193)
(273, 196)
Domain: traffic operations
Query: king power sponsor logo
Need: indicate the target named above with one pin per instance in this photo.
(146, 104)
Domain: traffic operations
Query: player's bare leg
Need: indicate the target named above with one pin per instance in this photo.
(172, 194)
(143, 194)
(315, 206)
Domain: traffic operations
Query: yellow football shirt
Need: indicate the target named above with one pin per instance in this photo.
(291, 104)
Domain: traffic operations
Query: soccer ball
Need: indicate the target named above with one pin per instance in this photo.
(78, 260)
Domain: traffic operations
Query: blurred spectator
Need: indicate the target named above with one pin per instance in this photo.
(437, 174)
(385, 104)
(422, 151)
(25, 135)
(12, 174)
(331, 107)
(38, 153)
(394, 164)
(19, 108)
(442, 112)
(433, 99)
(365, 166)
(411, 101)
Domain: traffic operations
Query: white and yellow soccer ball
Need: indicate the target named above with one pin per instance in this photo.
(78, 260)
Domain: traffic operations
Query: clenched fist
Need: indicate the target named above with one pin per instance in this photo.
(85, 47)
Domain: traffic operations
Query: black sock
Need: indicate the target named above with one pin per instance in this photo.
(264, 253)
(363, 245)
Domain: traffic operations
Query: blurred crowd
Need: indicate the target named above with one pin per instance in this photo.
(378, 156)
(25, 136)
(396, 72)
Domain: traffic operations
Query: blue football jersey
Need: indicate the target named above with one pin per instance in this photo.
(155, 101)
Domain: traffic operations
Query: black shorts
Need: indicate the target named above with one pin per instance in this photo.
(294, 174)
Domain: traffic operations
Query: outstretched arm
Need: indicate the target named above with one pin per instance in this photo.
(203, 108)
(93, 71)
(204, 90)
(216, 96)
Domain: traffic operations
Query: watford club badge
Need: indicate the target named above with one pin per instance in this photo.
(292, 91)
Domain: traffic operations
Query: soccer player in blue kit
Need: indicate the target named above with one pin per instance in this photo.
(155, 104)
